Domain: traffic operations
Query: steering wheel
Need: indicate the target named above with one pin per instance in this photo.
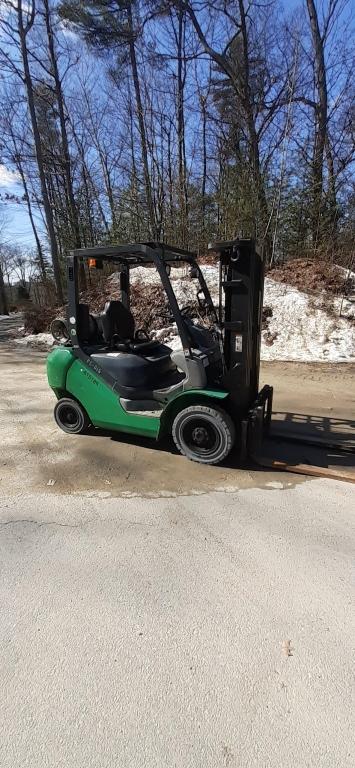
(167, 315)
(185, 310)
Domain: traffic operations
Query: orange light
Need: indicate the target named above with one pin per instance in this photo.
(92, 263)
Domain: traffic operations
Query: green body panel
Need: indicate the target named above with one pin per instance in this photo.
(103, 406)
(68, 375)
(59, 361)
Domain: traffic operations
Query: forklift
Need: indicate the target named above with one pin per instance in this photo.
(107, 374)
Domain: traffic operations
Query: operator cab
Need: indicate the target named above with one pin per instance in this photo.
(140, 368)
(138, 364)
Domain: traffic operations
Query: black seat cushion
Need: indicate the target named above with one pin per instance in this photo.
(138, 371)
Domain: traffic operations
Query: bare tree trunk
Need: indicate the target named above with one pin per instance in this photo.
(142, 131)
(254, 153)
(171, 183)
(42, 265)
(103, 157)
(4, 310)
(63, 130)
(204, 157)
(88, 182)
(332, 195)
(23, 31)
(136, 216)
(73, 213)
(321, 121)
(183, 194)
(109, 190)
(17, 159)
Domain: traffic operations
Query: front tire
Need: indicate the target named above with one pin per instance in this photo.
(203, 434)
(70, 416)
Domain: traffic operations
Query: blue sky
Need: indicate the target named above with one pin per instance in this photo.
(17, 227)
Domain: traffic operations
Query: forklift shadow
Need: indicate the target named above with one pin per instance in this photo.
(294, 437)
(320, 441)
(166, 446)
(327, 429)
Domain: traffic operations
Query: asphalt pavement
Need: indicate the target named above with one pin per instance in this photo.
(155, 613)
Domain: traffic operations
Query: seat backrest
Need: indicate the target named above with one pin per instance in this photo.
(86, 324)
(116, 320)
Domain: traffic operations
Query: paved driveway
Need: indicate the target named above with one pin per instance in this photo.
(159, 614)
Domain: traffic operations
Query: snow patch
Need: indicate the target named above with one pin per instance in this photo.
(184, 287)
(36, 340)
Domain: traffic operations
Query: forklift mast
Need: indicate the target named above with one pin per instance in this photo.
(241, 286)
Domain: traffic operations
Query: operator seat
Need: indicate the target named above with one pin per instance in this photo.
(118, 330)
(139, 367)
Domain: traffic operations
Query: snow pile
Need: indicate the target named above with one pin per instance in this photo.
(302, 327)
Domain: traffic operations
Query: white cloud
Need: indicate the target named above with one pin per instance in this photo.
(7, 177)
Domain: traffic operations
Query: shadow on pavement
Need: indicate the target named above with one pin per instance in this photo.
(337, 431)
(320, 441)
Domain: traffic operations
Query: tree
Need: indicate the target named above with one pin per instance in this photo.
(238, 64)
(321, 138)
(25, 19)
(58, 90)
(111, 25)
(202, 124)
(4, 310)
(16, 149)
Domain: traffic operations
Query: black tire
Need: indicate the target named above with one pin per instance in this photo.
(204, 434)
(70, 416)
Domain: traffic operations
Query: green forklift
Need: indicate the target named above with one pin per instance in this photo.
(106, 374)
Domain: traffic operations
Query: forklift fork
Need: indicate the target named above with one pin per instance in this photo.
(257, 423)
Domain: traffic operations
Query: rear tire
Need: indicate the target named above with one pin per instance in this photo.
(203, 434)
(70, 416)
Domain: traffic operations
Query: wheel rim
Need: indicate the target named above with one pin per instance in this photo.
(69, 417)
(201, 436)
